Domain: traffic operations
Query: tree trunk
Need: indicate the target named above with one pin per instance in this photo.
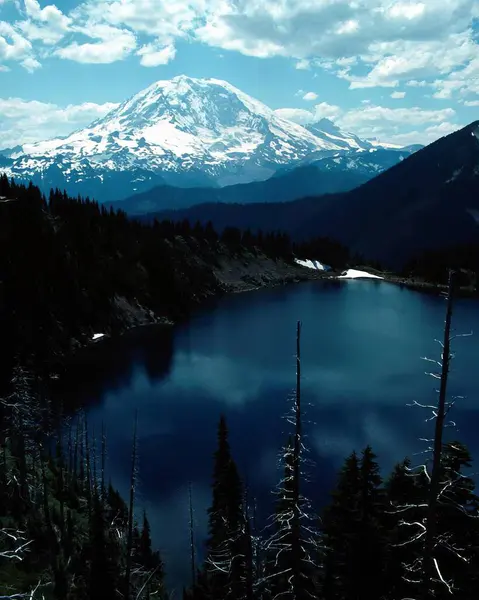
(296, 525)
(430, 538)
(129, 543)
(192, 539)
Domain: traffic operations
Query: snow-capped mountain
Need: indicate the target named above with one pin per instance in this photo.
(328, 131)
(184, 132)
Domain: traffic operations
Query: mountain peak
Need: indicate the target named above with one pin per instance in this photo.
(183, 131)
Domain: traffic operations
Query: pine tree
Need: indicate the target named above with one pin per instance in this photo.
(458, 524)
(340, 524)
(225, 563)
(404, 492)
(291, 569)
(372, 536)
(103, 578)
(354, 534)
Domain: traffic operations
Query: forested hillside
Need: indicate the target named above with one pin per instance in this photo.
(66, 534)
(69, 268)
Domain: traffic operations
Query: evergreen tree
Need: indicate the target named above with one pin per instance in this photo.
(226, 525)
(371, 567)
(103, 578)
(354, 534)
(291, 570)
(340, 524)
(404, 496)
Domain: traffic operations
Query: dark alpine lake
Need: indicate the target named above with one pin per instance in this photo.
(362, 343)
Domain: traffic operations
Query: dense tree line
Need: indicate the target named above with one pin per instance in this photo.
(433, 265)
(67, 534)
(66, 263)
(64, 530)
(413, 535)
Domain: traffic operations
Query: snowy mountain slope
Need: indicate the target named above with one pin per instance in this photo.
(327, 131)
(428, 201)
(184, 132)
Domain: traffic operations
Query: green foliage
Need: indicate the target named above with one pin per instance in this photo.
(66, 264)
(52, 538)
(225, 565)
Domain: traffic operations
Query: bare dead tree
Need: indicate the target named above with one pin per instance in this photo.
(75, 449)
(192, 538)
(292, 546)
(424, 572)
(129, 542)
(61, 464)
(81, 441)
(70, 450)
(430, 564)
(88, 466)
(32, 595)
(103, 460)
(95, 485)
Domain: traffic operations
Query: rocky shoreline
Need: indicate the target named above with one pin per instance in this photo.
(244, 274)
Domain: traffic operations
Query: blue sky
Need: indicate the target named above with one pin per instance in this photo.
(405, 71)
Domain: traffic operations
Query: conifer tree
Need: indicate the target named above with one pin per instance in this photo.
(226, 527)
(291, 548)
(129, 539)
(404, 492)
(340, 524)
(103, 578)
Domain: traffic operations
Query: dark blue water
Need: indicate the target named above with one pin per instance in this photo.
(362, 343)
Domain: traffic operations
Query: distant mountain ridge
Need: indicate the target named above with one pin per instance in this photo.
(428, 201)
(322, 176)
(183, 132)
(297, 183)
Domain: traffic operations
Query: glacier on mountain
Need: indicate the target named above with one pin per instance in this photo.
(184, 132)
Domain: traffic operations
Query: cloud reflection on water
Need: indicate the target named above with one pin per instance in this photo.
(361, 348)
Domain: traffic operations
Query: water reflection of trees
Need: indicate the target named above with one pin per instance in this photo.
(158, 353)
(109, 366)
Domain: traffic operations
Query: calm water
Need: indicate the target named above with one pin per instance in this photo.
(361, 347)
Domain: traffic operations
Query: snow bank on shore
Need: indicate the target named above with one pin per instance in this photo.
(355, 274)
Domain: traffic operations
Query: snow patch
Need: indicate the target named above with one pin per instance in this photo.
(97, 336)
(355, 274)
(312, 264)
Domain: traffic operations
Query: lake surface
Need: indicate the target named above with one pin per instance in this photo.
(362, 343)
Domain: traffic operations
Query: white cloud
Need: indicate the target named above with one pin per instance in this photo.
(369, 43)
(48, 24)
(164, 19)
(392, 39)
(298, 115)
(416, 83)
(399, 125)
(425, 136)
(396, 125)
(398, 95)
(30, 64)
(471, 103)
(114, 44)
(326, 111)
(15, 47)
(152, 56)
(23, 121)
(303, 65)
(302, 116)
(310, 96)
(409, 116)
(461, 82)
